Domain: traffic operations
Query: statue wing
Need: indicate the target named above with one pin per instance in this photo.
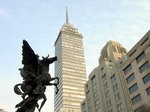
(29, 59)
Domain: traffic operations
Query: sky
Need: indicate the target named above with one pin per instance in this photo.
(39, 22)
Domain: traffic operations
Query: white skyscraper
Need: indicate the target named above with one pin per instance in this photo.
(70, 69)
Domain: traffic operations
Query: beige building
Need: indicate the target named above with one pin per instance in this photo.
(70, 68)
(104, 90)
(121, 82)
(136, 72)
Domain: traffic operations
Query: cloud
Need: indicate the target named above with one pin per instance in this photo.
(3, 12)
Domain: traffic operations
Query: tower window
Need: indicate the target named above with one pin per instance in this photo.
(133, 88)
(144, 67)
(144, 41)
(110, 110)
(128, 69)
(117, 96)
(148, 91)
(113, 78)
(136, 99)
(107, 94)
(120, 106)
(105, 85)
(104, 77)
(108, 103)
(93, 79)
(130, 78)
(115, 87)
(139, 109)
(102, 69)
(140, 57)
(132, 53)
(146, 78)
(111, 67)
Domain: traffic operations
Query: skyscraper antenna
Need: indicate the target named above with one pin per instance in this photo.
(67, 19)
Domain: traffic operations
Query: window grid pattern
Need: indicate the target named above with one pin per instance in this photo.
(96, 98)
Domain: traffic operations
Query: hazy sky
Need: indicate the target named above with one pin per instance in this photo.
(39, 22)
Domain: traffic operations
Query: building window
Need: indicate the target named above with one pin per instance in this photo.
(146, 78)
(133, 88)
(108, 103)
(95, 94)
(119, 107)
(130, 78)
(113, 78)
(148, 91)
(102, 69)
(140, 57)
(105, 85)
(136, 99)
(132, 53)
(110, 110)
(127, 69)
(104, 77)
(139, 109)
(83, 107)
(93, 79)
(115, 87)
(87, 86)
(144, 67)
(111, 67)
(117, 96)
(97, 101)
(94, 87)
(144, 41)
(107, 94)
(98, 109)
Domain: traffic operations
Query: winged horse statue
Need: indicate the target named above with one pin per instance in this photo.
(36, 77)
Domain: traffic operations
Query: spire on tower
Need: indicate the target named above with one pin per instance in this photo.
(67, 19)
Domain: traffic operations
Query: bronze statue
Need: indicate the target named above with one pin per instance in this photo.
(36, 77)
